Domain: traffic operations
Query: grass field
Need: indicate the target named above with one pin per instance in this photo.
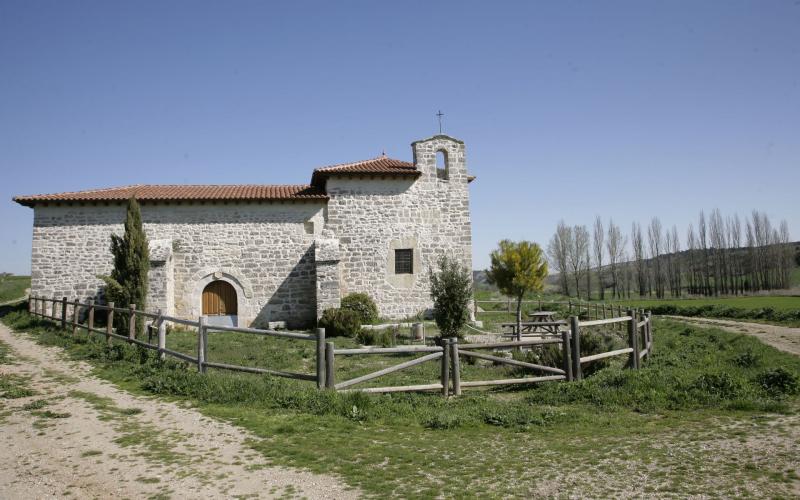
(712, 414)
(13, 287)
(780, 303)
(776, 309)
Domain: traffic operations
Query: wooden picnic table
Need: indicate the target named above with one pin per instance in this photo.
(543, 317)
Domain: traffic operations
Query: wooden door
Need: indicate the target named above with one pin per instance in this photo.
(219, 299)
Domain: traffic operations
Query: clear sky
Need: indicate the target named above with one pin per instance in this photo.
(569, 109)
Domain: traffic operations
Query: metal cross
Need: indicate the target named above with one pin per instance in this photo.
(440, 115)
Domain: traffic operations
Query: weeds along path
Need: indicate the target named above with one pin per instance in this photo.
(81, 436)
(783, 338)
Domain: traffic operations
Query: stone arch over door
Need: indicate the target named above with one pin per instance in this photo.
(244, 292)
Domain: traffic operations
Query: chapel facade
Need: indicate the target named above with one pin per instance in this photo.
(253, 255)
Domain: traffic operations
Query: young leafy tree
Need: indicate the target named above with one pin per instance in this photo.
(518, 268)
(127, 283)
(451, 291)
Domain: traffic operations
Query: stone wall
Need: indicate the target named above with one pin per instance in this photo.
(264, 249)
(326, 259)
(373, 217)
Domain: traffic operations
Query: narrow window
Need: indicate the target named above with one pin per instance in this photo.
(404, 261)
(441, 164)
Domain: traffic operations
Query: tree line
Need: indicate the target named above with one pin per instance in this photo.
(719, 256)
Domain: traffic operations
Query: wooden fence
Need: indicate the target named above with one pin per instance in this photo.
(598, 310)
(448, 354)
(68, 314)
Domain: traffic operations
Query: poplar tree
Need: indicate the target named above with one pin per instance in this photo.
(127, 283)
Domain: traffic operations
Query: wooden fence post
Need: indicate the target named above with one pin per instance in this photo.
(633, 339)
(90, 324)
(201, 344)
(321, 358)
(162, 338)
(649, 330)
(567, 362)
(132, 322)
(64, 313)
(205, 343)
(456, 366)
(445, 373)
(576, 347)
(75, 313)
(329, 365)
(110, 323)
(53, 309)
(31, 299)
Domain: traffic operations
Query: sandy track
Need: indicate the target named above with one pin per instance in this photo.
(101, 442)
(783, 338)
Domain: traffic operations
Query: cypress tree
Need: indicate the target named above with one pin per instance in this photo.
(127, 283)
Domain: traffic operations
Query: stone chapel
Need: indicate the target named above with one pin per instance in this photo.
(251, 255)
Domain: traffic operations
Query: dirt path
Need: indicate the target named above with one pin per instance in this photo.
(783, 338)
(14, 301)
(89, 439)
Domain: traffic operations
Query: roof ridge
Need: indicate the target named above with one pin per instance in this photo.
(360, 162)
(85, 191)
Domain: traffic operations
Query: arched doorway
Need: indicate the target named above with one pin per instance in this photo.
(219, 299)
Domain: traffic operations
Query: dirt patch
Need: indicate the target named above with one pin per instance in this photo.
(81, 436)
(783, 338)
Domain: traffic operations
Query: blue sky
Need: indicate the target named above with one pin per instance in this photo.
(568, 109)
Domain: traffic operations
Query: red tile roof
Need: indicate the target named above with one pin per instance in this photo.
(381, 165)
(144, 192)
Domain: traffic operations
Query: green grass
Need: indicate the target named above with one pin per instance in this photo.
(595, 438)
(767, 309)
(794, 278)
(779, 303)
(13, 287)
(12, 386)
(775, 309)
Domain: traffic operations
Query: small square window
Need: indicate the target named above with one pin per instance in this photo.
(404, 261)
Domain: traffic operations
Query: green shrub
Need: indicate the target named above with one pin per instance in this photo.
(384, 338)
(451, 291)
(720, 385)
(596, 342)
(340, 323)
(745, 359)
(363, 305)
(547, 355)
(778, 381)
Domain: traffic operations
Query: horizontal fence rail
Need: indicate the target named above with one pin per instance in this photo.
(38, 306)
